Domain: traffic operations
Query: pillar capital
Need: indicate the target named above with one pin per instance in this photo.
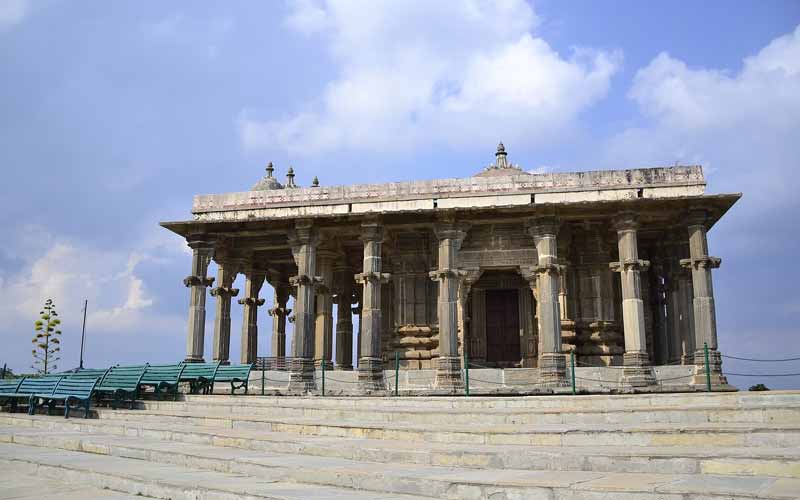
(451, 230)
(372, 231)
(251, 301)
(698, 216)
(542, 226)
(303, 233)
(626, 221)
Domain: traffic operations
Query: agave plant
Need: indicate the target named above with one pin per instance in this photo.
(46, 341)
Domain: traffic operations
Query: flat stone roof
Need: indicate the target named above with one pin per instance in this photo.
(511, 187)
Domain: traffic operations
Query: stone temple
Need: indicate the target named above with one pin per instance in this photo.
(512, 270)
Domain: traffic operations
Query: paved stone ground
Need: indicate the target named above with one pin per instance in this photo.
(17, 483)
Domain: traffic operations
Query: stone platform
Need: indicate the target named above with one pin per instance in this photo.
(651, 446)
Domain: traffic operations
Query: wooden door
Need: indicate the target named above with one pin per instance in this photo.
(502, 327)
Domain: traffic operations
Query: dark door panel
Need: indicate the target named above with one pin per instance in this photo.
(502, 327)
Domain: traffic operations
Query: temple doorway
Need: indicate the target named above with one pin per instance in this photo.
(502, 327)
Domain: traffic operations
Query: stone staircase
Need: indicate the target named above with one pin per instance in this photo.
(655, 446)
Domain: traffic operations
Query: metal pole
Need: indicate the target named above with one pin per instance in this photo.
(263, 373)
(396, 372)
(466, 373)
(83, 331)
(3, 373)
(323, 376)
(708, 370)
(572, 362)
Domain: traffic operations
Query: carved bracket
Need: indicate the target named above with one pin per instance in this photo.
(252, 301)
(304, 279)
(372, 277)
(445, 273)
(279, 311)
(222, 291)
(197, 281)
(704, 262)
(629, 265)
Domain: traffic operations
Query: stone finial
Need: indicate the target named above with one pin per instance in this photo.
(290, 179)
(501, 156)
(315, 182)
(268, 182)
(501, 166)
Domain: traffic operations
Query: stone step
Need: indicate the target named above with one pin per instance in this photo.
(774, 461)
(644, 414)
(136, 457)
(565, 402)
(18, 482)
(169, 481)
(642, 434)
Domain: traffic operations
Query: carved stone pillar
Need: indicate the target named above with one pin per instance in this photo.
(370, 363)
(468, 278)
(636, 360)
(254, 280)
(477, 323)
(552, 365)
(323, 328)
(303, 240)
(680, 315)
(448, 371)
(343, 277)
(197, 283)
(279, 314)
(705, 321)
(659, 290)
(226, 274)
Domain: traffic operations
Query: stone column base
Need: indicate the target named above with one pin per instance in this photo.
(552, 370)
(637, 371)
(301, 376)
(190, 359)
(344, 368)
(715, 368)
(327, 362)
(370, 375)
(448, 374)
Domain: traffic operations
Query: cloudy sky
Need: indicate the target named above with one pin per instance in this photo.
(115, 113)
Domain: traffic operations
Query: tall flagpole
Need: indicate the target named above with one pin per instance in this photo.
(83, 331)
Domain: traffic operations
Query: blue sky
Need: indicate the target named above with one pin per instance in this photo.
(115, 113)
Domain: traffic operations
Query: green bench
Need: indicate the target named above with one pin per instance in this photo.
(237, 375)
(8, 392)
(70, 390)
(121, 383)
(26, 389)
(200, 376)
(87, 373)
(163, 378)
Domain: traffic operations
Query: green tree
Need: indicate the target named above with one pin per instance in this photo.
(46, 342)
(759, 387)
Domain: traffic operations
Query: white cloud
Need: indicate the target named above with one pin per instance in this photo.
(433, 72)
(744, 127)
(12, 12)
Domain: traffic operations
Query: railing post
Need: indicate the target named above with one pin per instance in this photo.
(263, 372)
(708, 369)
(466, 373)
(396, 372)
(323, 377)
(572, 363)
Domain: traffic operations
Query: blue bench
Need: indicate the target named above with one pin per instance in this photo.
(70, 390)
(8, 392)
